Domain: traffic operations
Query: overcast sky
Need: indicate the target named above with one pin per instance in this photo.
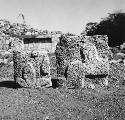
(64, 15)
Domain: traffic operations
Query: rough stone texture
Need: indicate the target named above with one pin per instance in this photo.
(93, 66)
(78, 58)
(53, 67)
(66, 50)
(75, 74)
(117, 73)
(17, 44)
(101, 43)
(110, 55)
(4, 42)
(31, 69)
(93, 62)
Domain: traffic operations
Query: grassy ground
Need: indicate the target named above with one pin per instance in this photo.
(58, 104)
(61, 104)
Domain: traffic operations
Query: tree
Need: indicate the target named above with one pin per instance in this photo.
(91, 28)
(113, 26)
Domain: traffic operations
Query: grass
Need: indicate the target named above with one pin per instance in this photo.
(62, 104)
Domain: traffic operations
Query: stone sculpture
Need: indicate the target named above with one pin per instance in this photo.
(93, 67)
(101, 44)
(31, 68)
(65, 50)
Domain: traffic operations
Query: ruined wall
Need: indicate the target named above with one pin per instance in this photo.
(41, 45)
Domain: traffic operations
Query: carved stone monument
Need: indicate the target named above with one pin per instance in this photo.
(31, 66)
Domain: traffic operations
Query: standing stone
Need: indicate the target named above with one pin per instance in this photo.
(92, 66)
(75, 75)
(32, 68)
(67, 49)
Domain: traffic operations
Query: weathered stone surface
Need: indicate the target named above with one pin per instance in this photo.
(66, 50)
(75, 75)
(117, 73)
(17, 44)
(93, 62)
(93, 65)
(101, 43)
(30, 68)
(4, 42)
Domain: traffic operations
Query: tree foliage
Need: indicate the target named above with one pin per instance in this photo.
(113, 26)
(91, 28)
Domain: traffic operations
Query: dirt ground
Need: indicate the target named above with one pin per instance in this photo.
(18, 103)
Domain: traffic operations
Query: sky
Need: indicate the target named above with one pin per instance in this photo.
(60, 15)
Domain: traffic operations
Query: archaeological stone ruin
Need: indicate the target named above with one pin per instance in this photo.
(89, 59)
(92, 68)
(79, 62)
(39, 56)
(67, 49)
(32, 63)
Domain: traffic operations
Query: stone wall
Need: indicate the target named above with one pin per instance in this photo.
(50, 47)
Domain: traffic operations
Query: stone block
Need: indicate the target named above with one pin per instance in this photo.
(30, 67)
(67, 49)
(101, 43)
(93, 66)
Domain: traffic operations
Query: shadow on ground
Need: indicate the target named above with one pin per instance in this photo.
(9, 84)
(14, 85)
